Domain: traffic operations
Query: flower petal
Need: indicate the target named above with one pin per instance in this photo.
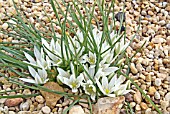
(32, 71)
(30, 59)
(63, 73)
(28, 80)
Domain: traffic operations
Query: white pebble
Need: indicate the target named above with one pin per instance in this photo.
(11, 112)
(46, 109)
(167, 97)
(39, 99)
(25, 106)
(157, 95)
(158, 82)
(5, 26)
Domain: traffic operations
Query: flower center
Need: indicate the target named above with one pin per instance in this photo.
(91, 60)
(74, 84)
(107, 91)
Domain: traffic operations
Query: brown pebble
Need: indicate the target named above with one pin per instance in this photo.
(13, 102)
(137, 97)
(143, 105)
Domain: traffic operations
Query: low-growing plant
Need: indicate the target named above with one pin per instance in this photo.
(88, 58)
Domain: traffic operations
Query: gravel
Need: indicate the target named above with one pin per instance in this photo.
(150, 68)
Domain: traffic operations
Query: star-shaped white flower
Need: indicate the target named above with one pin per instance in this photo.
(107, 88)
(40, 77)
(40, 60)
(89, 89)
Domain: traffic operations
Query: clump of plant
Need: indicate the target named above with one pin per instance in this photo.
(84, 57)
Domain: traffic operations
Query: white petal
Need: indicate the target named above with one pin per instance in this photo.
(38, 79)
(80, 78)
(28, 80)
(105, 82)
(37, 53)
(30, 59)
(44, 42)
(72, 68)
(63, 73)
(111, 95)
(74, 90)
(32, 71)
(100, 86)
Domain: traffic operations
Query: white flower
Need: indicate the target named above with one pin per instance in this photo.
(62, 74)
(91, 59)
(70, 79)
(73, 82)
(121, 46)
(40, 61)
(105, 69)
(106, 87)
(40, 77)
(89, 89)
(122, 89)
(53, 50)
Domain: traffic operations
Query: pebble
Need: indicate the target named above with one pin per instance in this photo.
(143, 105)
(5, 26)
(164, 104)
(2, 100)
(158, 81)
(24, 112)
(151, 90)
(137, 97)
(167, 97)
(162, 22)
(137, 107)
(157, 95)
(158, 40)
(26, 92)
(11, 112)
(39, 99)
(168, 26)
(133, 68)
(13, 102)
(77, 109)
(65, 103)
(46, 110)
(129, 97)
(132, 104)
(24, 106)
(148, 111)
(52, 98)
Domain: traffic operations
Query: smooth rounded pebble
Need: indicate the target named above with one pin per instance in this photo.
(46, 109)
(167, 96)
(157, 95)
(76, 110)
(5, 26)
(158, 81)
(39, 99)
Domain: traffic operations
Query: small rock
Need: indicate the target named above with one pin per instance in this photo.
(36, 1)
(46, 109)
(148, 111)
(132, 104)
(25, 106)
(2, 100)
(143, 105)
(129, 97)
(137, 107)
(5, 26)
(51, 98)
(168, 26)
(119, 16)
(26, 92)
(11, 112)
(158, 82)
(167, 97)
(108, 105)
(39, 99)
(24, 112)
(151, 90)
(133, 68)
(157, 95)
(76, 110)
(158, 40)
(137, 97)
(162, 22)
(144, 22)
(13, 102)
(164, 104)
